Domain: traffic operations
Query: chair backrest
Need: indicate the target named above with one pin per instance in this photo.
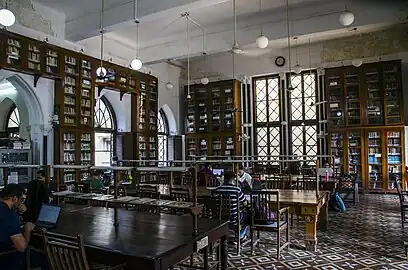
(266, 204)
(149, 191)
(180, 194)
(121, 190)
(212, 181)
(65, 252)
(225, 207)
(399, 190)
(201, 179)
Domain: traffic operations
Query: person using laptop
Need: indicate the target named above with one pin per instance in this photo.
(13, 240)
(37, 194)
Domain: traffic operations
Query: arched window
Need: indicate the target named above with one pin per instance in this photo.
(163, 133)
(104, 123)
(13, 122)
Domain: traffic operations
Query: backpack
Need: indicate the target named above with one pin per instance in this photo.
(337, 203)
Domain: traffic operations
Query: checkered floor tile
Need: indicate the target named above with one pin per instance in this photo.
(366, 236)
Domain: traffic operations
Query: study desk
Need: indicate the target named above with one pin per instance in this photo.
(142, 240)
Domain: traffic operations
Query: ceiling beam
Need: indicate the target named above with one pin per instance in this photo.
(119, 17)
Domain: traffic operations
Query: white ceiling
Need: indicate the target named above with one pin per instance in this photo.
(315, 19)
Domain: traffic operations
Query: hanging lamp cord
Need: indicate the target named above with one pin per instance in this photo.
(102, 31)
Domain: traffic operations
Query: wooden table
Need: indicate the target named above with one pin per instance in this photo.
(142, 240)
(305, 203)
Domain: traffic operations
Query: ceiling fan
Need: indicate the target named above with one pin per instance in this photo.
(249, 50)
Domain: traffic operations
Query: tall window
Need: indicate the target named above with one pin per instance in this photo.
(303, 120)
(163, 133)
(267, 107)
(13, 122)
(104, 132)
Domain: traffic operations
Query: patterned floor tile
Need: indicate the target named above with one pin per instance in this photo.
(366, 236)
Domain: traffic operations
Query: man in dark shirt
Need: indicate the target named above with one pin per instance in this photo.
(236, 195)
(37, 194)
(12, 242)
(207, 170)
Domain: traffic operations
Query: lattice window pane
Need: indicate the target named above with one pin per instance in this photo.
(102, 115)
(309, 85)
(297, 113)
(310, 108)
(260, 88)
(261, 112)
(274, 111)
(262, 141)
(273, 89)
(14, 120)
(274, 143)
(297, 140)
(311, 141)
(162, 148)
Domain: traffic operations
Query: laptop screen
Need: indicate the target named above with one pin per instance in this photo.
(49, 214)
(218, 171)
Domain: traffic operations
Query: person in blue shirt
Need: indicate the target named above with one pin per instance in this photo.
(13, 241)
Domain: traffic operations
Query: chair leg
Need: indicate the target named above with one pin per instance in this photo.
(402, 218)
(278, 244)
(239, 242)
(192, 259)
(252, 241)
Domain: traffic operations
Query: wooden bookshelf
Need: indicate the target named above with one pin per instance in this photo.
(369, 95)
(213, 119)
(76, 86)
(366, 123)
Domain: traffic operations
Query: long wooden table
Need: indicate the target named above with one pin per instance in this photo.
(304, 203)
(142, 240)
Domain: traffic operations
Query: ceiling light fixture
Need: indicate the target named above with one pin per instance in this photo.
(205, 80)
(297, 68)
(136, 63)
(262, 41)
(101, 72)
(169, 86)
(346, 18)
(357, 62)
(7, 17)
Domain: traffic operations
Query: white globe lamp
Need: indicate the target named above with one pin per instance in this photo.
(357, 62)
(346, 18)
(7, 17)
(205, 80)
(101, 72)
(297, 69)
(169, 85)
(262, 42)
(136, 64)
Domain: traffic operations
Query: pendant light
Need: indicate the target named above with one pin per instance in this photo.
(289, 83)
(262, 41)
(136, 63)
(297, 68)
(7, 17)
(205, 80)
(101, 71)
(346, 18)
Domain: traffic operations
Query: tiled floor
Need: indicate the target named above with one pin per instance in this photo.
(366, 236)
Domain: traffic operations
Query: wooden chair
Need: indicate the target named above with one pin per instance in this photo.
(148, 191)
(348, 187)
(212, 181)
(224, 213)
(180, 194)
(263, 203)
(403, 202)
(65, 252)
(121, 190)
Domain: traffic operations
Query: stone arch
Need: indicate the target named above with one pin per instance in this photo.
(171, 120)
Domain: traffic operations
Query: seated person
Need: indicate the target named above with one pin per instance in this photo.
(236, 195)
(207, 170)
(245, 179)
(13, 242)
(37, 194)
(94, 181)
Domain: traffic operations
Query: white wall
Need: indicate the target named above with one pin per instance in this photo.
(36, 106)
(169, 98)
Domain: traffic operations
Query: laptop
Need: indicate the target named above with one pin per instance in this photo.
(218, 172)
(48, 217)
